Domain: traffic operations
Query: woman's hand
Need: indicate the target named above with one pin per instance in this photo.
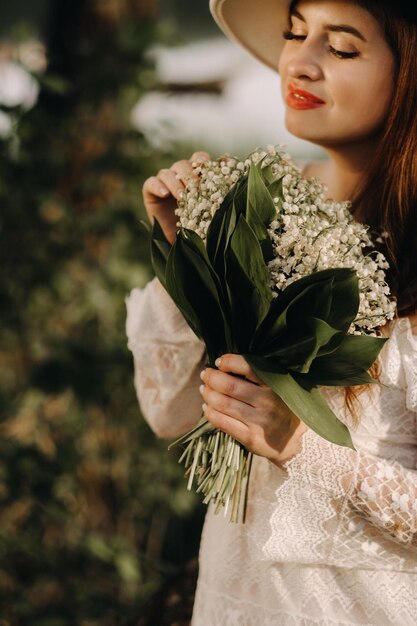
(161, 192)
(250, 411)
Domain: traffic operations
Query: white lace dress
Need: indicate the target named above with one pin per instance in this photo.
(332, 539)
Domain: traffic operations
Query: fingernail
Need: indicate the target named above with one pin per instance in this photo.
(217, 362)
(181, 194)
(163, 191)
(202, 374)
(201, 389)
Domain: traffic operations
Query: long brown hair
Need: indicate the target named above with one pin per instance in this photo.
(387, 199)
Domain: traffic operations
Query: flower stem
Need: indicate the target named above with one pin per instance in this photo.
(220, 466)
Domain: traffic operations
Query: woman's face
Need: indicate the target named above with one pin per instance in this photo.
(337, 73)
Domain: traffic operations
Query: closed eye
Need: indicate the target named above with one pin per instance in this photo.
(342, 55)
(290, 36)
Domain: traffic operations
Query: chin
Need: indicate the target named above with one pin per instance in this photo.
(308, 132)
(301, 132)
(299, 127)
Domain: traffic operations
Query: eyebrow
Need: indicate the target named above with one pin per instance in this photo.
(334, 28)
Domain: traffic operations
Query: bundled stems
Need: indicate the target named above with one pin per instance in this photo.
(220, 466)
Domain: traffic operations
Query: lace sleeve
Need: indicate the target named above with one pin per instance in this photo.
(386, 494)
(381, 492)
(168, 358)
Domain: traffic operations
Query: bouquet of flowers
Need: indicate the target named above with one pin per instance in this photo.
(265, 266)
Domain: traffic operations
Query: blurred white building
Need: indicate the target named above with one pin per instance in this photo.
(215, 97)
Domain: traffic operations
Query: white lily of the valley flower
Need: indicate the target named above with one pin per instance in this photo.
(309, 233)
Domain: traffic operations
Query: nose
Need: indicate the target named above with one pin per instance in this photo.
(304, 63)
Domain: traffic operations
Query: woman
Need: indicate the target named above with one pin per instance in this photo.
(331, 533)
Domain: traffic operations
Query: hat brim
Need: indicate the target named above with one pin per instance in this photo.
(256, 25)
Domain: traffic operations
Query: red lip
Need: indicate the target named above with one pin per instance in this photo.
(300, 99)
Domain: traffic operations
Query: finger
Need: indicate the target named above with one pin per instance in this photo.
(153, 186)
(184, 171)
(199, 157)
(225, 404)
(233, 386)
(236, 364)
(236, 429)
(170, 181)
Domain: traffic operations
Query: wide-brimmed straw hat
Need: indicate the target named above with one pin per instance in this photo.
(257, 25)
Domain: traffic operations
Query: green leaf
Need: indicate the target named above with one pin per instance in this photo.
(314, 301)
(348, 376)
(312, 293)
(267, 250)
(349, 364)
(159, 236)
(196, 249)
(222, 227)
(267, 174)
(275, 190)
(174, 270)
(241, 194)
(260, 209)
(216, 232)
(335, 273)
(194, 287)
(247, 252)
(269, 334)
(248, 284)
(345, 299)
(305, 401)
(299, 347)
(160, 249)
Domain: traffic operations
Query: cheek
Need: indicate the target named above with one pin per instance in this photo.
(368, 103)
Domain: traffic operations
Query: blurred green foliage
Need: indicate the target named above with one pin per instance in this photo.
(94, 514)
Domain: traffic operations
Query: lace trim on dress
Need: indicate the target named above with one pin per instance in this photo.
(168, 358)
(313, 596)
